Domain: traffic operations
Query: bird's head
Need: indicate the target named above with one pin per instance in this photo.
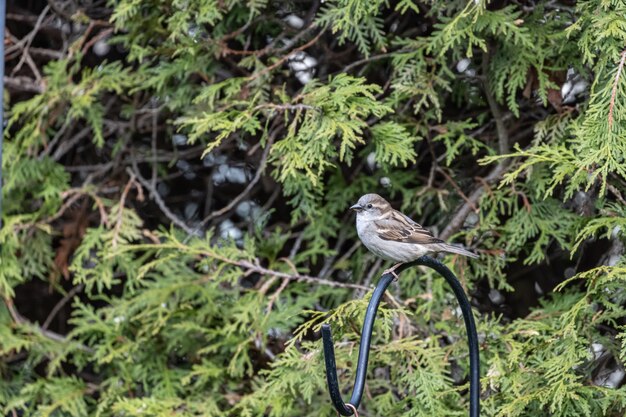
(371, 207)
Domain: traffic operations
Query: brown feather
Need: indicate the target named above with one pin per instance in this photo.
(399, 228)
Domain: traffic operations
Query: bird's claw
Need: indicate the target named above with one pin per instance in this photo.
(392, 271)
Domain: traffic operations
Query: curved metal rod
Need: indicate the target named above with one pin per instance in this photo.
(366, 336)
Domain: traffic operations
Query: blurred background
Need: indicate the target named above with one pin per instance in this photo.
(176, 183)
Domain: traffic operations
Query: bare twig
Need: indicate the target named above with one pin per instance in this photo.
(285, 58)
(23, 84)
(64, 147)
(296, 246)
(293, 277)
(347, 68)
(120, 214)
(251, 184)
(61, 303)
(58, 10)
(326, 270)
(46, 53)
(276, 294)
(370, 276)
(459, 217)
(616, 193)
(250, 267)
(458, 189)
(614, 91)
(503, 146)
(294, 107)
(503, 135)
(25, 43)
(154, 195)
(99, 36)
(33, 67)
(153, 144)
(328, 263)
(84, 44)
(56, 138)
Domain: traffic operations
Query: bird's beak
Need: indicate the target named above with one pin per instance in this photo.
(356, 207)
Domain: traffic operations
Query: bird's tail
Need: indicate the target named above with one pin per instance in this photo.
(444, 247)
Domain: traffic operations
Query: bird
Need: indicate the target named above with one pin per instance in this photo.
(393, 236)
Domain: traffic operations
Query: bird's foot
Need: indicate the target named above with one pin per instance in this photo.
(392, 271)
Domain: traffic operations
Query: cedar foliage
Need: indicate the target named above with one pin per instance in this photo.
(137, 279)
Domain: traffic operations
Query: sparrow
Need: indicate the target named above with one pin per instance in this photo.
(394, 236)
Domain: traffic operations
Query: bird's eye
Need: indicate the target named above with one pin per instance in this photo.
(369, 205)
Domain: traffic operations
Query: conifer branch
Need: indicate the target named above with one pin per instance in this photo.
(251, 267)
(248, 266)
(496, 173)
(120, 215)
(614, 90)
(21, 320)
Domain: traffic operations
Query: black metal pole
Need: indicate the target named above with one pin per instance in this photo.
(364, 351)
(366, 336)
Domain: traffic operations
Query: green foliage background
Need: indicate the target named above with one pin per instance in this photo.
(117, 303)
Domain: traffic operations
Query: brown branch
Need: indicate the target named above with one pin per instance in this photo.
(226, 50)
(25, 42)
(275, 296)
(239, 31)
(302, 34)
(60, 304)
(76, 193)
(24, 45)
(459, 217)
(58, 10)
(92, 25)
(46, 53)
(496, 173)
(120, 214)
(616, 193)
(255, 180)
(154, 195)
(372, 58)
(65, 146)
(458, 189)
(153, 145)
(23, 84)
(57, 137)
(503, 135)
(285, 107)
(285, 58)
(33, 67)
(250, 267)
(614, 91)
(95, 39)
(293, 277)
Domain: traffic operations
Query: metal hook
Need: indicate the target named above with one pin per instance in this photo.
(348, 409)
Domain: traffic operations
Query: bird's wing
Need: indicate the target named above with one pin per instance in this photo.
(400, 228)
